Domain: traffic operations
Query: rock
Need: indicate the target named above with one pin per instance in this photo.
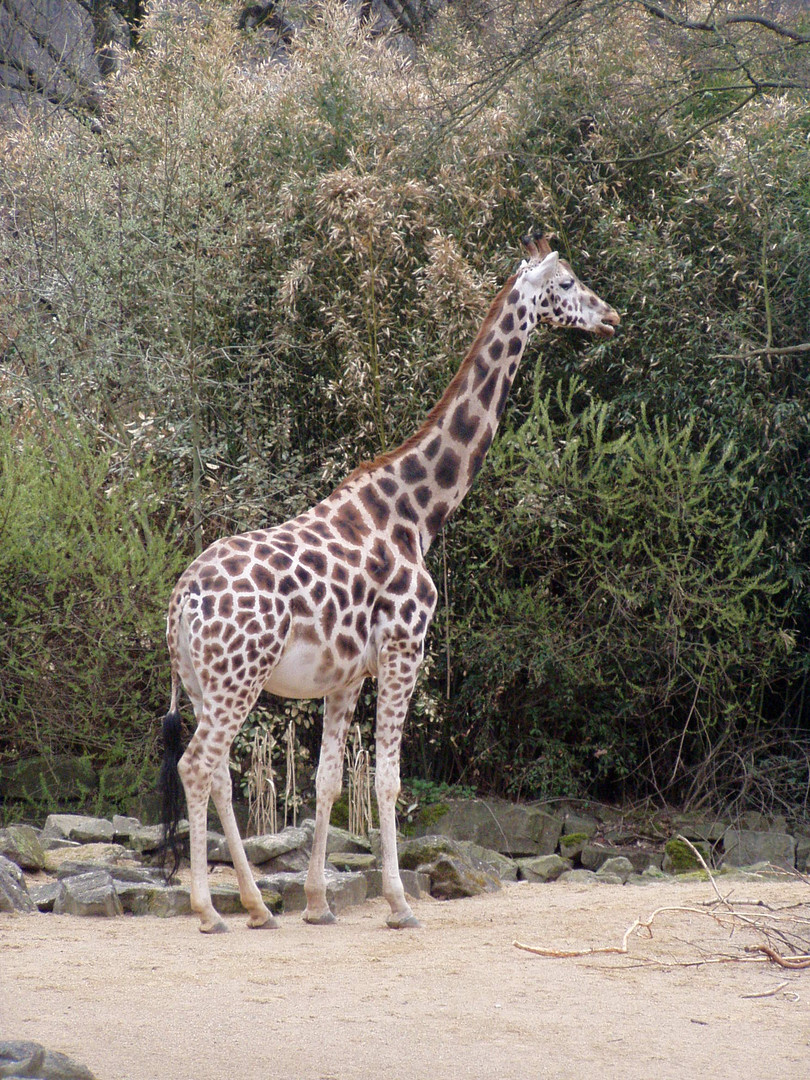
(53, 843)
(88, 853)
(148, 839)
(124, 827)
(579, 877)
(744, 848)
(617, 869)
(680, 859)
(593, 856)
(342, 890)
(22, 845)
(693, 827)
(163, 901)
(291, 862)
(352, 860)
(44, 895)
(571, 844)
(28, 1059)
(452, 878)
(754, 821)
(57, 51)
(509, 828)
(91, 893)
(415, 884)
(452, 873)
(543, 867)
(148, 875)
(500, 865)
(78, 827)
(217, 848)
(337, 839)
(652, 873)
(261, 849)
(14, 894)
(576, 824)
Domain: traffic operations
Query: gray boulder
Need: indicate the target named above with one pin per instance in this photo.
(593, 856)
(579, 877)
(415, 884)
(575, 824)
(14, 895)
(22, 845)
(337, 839)
(694, 827)
(500, 865)
(78, 827)
(453, 874)
(217, 848)
(161, 901)
(261, 849)
(542, 867)
(91, 893)
(44, 895)
(616, 869)
(354, 861)
(743, 847)
(124, 827)
(509, 828)
(342, 890)
(57, 50)
(80, 855)
(28, 1059)
(148, 839)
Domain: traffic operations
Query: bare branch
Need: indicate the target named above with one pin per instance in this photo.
(719, 24)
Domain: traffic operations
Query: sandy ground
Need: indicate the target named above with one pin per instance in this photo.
(153, 999)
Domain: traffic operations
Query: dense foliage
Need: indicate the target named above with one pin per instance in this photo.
(260, 272)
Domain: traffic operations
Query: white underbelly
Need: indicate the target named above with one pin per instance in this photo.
(296, 675)
(304, 670)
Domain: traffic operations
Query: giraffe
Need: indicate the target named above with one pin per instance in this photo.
(341, 593)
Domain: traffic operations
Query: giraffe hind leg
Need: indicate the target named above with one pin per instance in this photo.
(260, 918)
(197, 774)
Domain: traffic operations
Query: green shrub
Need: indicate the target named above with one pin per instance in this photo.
(624, 620)
(87, 563)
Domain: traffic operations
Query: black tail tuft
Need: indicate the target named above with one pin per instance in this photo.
(171, 789)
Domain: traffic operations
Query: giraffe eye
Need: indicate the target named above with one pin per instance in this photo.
(567, 284)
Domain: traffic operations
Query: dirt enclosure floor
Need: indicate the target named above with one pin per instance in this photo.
(153, 999)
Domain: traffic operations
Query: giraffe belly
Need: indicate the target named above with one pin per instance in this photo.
(304, 670)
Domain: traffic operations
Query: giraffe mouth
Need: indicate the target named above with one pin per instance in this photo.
(607, 327)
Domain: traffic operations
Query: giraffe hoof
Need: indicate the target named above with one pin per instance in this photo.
(269, 924)
(218, 927)
(403, 922)
(327, 919)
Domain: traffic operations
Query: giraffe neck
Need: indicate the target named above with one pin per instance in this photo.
(426, 478)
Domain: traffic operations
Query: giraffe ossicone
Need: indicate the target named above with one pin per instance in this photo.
(341, 593)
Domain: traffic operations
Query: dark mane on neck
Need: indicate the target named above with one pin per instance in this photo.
(443, 404)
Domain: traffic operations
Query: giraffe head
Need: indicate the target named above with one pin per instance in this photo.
(560, 297)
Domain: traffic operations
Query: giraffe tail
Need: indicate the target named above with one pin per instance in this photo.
(171, 788)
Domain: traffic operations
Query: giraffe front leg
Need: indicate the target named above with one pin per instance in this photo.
(396, 681)
(260, 918)
(337, 715)
(196, 777)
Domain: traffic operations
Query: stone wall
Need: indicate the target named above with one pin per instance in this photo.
(97, 866)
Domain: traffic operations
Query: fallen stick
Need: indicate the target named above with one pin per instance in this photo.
(795, 963)
(767, 993)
